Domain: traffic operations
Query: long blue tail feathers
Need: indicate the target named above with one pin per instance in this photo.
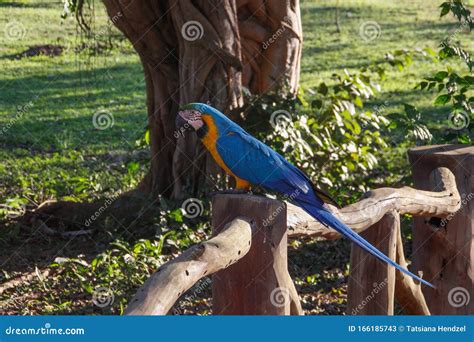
(330, 220)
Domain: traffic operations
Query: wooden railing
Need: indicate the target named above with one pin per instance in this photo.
(248, 253)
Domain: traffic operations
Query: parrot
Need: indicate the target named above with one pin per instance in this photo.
(251, 162)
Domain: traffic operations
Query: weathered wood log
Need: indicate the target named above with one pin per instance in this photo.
(444, 249)
(376, 203)
(171, 280)
(371, 282)
(408, 292)
(259, 284)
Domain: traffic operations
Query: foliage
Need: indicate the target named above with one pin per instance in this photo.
(453, 89)
(329, 133)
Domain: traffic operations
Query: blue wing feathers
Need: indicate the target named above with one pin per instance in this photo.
(258, 163)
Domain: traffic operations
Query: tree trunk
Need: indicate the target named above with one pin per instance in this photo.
(203, 51)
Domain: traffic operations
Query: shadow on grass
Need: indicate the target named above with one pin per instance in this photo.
(65, 103)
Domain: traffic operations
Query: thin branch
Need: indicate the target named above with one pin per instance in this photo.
(407, 292)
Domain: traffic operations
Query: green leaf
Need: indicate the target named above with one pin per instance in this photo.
(132, 167)
(431, 52)
(358, 102)
(444, 9)
(88, 287)
(422, 85)
(469, 79)
(317, 103)
(464, 139)
(147, 137)
(323, 89)
(431, 86)
(177, 215)
(441, 75)
(442, 99)
(94, 264)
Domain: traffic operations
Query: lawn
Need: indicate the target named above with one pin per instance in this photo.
(52, 149)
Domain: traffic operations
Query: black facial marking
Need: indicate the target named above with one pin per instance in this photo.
(202, 131)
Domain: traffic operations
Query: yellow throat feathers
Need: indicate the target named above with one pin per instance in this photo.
(210, 139)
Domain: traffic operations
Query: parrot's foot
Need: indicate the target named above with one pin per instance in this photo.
(231, 192)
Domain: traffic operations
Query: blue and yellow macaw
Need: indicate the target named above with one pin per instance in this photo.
(250, 161)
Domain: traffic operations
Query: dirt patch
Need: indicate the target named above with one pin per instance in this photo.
(41, 50)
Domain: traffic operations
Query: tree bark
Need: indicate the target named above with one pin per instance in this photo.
(203, 51)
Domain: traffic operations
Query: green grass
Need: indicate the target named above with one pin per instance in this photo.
(54, 141)
(403, 25)
(52, 150)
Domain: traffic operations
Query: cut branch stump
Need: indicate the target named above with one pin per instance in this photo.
(259, 283)
(444, 247)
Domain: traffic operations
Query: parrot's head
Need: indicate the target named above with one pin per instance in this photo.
(194, 115)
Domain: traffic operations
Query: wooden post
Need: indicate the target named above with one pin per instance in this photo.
(259, 283)
(443, 249)
(371, 282)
